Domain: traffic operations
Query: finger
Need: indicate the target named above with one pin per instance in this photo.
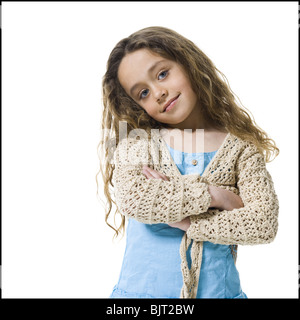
(158, 175)
(145, 168)
(165, 178)
(147, 173)
(152, 172)
(155, 174)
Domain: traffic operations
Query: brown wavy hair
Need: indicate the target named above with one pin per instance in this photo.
(217, 101)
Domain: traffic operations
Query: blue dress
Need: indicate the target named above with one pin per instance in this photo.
(151, 263)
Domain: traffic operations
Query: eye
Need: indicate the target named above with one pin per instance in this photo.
(162, 75)
(144, 93)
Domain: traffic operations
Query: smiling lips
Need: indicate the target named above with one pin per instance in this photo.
(170, 104)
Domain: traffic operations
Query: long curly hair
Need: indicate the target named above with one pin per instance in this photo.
(217, 101)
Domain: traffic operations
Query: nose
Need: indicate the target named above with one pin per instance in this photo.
(160, 93)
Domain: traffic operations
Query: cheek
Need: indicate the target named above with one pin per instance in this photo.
(182, 83)
(189, 91)
(151, 111)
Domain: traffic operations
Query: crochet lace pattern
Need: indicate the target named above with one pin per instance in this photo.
(237, 166)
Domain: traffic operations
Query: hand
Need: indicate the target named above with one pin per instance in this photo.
(183, 224)
(224, 199)
(151, 173)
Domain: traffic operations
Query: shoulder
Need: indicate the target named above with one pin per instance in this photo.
(137, 148)
(139, 141)
(246, 152)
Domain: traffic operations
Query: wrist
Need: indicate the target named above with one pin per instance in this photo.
(214, 194)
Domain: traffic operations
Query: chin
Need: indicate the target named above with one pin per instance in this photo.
(177, 120)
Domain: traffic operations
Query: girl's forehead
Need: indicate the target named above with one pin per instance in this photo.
(143, 55)
(139, 62)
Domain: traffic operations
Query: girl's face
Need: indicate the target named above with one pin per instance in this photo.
(161, 87)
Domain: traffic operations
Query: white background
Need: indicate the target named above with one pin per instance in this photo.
(55, 241)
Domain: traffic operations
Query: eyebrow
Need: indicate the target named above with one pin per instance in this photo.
(149, 71)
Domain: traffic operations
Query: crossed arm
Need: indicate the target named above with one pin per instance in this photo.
(220, 198)
(205, 212)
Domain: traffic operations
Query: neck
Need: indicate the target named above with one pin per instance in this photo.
(196, 120)
(193, 124)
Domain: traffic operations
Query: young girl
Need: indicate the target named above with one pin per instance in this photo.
(189, 173)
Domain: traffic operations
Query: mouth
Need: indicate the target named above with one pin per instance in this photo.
(170, 104)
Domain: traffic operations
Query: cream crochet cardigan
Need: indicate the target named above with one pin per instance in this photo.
(237, 166)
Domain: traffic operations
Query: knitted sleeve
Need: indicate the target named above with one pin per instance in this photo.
(256, 222)
(154, 200)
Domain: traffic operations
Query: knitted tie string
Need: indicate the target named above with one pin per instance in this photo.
(190, 276)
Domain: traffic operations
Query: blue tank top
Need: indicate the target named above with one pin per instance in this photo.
(151, 265)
